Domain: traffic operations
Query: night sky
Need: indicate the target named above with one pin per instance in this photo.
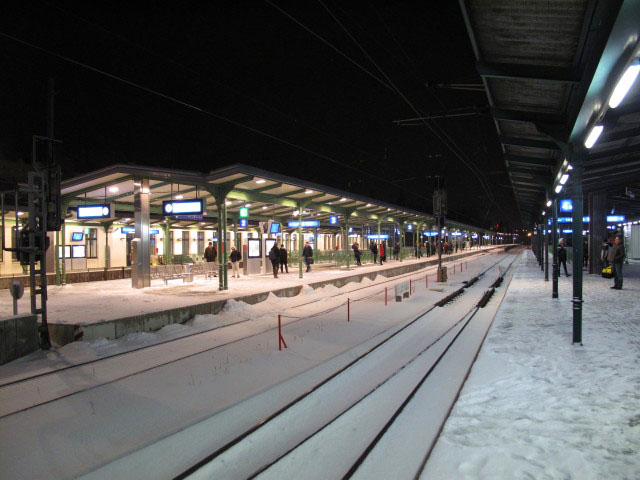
(224, 71)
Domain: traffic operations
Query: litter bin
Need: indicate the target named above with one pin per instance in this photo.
(441, 275)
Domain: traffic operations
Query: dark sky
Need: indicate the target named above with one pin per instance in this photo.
(258, 66)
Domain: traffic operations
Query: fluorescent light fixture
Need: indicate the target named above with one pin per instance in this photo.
(558, 188)
(593, 136)
(202, 223)
(308, 191)
(543, 212)
(248, 205)
(179, 197)
(388, 209)
(227, 202)
(260, 181)
(368, 204)
(264, 207)
(564, 179)
(20, 214)
(624, 84)
(114, 189)
(549, 203)
(569, 167)
(343, 199)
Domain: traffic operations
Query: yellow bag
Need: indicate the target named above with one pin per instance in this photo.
(607, 272)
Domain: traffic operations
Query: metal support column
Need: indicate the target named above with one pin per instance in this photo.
(166, 241)
(300, 241)
(546, 253)
(597, 230)
(576, 196)
(554, 239)
(141, 265)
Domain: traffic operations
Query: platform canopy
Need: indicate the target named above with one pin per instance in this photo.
(548, 70)
(266, 195)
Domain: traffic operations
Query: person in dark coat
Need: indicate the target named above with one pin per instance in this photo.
(235, 258)
(616, 257)
(562, 257)
(356, 252)
(274, 256)
(374, 250)
(210, 253)
(307, 253)
(283, 259)
(396, 251)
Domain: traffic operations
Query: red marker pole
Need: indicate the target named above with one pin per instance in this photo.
(426, 279)
(454, 268)
(348, 311)
(410, 287)
(385, 296)
(280, 337)
(460, 267)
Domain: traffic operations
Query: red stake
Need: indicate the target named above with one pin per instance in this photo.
(348, 311)
(426, 278)
(385, 296)
(460, 267)
(454, 268)
(280, 337)
(410, 287)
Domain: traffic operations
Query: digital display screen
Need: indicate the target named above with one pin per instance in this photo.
(275, 227)
(78, 251)
(305, 223)
(254, 248)
(268, 244)
(181, 207)
(77, 236)
(94, 211)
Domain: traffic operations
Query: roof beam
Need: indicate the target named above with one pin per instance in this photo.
(528, 142)
(527, 72)
(525, 116)
(530, 161)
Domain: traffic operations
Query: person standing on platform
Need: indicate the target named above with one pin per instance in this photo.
(419, 251)
(284, 263)
(374, 251)
(383, 252)
(396, 251)
(210, 255)
(606, 248)
(274, 256)
(562, 257)
(616, 257)
(235, 258)
(357, 253)
(307, 253)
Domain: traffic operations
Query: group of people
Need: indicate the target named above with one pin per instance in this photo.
(612, 255)
(211, 255)
(279, 258)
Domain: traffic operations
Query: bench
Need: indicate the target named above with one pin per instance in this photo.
(170, 272)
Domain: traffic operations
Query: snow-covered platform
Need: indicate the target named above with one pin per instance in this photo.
(536, 406)
(111, 309)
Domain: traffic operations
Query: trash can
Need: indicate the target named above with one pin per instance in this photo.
(441, 275)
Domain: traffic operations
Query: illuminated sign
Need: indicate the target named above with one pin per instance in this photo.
(430, 234)
(255, 249)
(305, 223)
(566, 205)
(78, 251)
(378, 237)
(77, 236)
(275, 227)
(615, 218)
(94, 211)
(244, 212)
(409, 227)
(268, 245)
(132, 231)
(243, 222)
(183, 207)
(333, 220)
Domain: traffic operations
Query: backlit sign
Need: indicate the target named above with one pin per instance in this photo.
(409, 227)
(243, 222)
(333, 220)
(305, 223)
(244, 212)
(183, 207)
(94, 211)
(566, 205)
(615, 218)
(378, 237)
(132, 231)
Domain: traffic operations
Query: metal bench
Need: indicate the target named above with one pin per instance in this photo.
(170, 272)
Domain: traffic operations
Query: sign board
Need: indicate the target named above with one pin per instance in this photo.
(305, 223)
(77, 236)
(566, 205)
(275, 227)
(132, 231)
(183, 207)
(615, 218)
(244, 212)
(402, 291)
(409, 227)
(255, 250)
(94, 211)
(333, 220)
(243, 222)
(268, 245)
(378, 237)
(78, 251)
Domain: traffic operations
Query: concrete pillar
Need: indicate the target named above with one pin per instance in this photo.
(141, 267)
(597, 229)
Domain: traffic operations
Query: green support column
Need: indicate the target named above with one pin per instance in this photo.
(107, 252)
(57, 257)
(300, 243)
(221, 206)
(63, 233)
(317, 244)
(235, 233)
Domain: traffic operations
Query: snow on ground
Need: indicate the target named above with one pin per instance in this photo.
(536, 406)
(106, 300)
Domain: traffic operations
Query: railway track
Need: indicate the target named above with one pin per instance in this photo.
(228, 461)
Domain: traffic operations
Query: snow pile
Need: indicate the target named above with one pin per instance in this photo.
(536, 406)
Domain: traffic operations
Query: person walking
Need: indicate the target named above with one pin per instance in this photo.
(616, 257)
(562, 257)
(274, 256)
(357, 253)
(284, 263)
(210, 255)
(307, 253)
(396, 251)
(235, 258)
(383, 252)
(374, 251)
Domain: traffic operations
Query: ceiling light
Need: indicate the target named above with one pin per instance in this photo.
(114, 189)
(564, 179)
(247, 205)
(264, 207)
(593, 136)
(179, 197)
(388, 209)
(202, 223)
(126, 219)
(307, 191)
(145, 190)
(543, 213)
(624, 84)
(260, 181)
(227, 202)
(20, 214)
(558, 188)
(569, 167)
(549, 203)
(368, 204)
(343, 199)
